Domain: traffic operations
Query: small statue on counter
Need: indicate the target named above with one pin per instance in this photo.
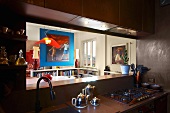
(107, 68)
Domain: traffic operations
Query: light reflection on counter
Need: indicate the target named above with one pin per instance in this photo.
(89, 79)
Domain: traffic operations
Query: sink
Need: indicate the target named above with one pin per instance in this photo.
(64, 110)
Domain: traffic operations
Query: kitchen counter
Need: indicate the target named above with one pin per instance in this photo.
(64, 80)
(106, 106)
(112, 106)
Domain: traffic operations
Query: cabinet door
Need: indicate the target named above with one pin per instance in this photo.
(103, 10)
(68, 6)
(34, 2)
(161, 105)
(131, 14)
(148, 15)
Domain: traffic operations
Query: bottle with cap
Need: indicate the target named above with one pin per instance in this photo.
(20, 60)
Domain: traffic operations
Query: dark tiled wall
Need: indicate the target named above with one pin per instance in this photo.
(154, 51)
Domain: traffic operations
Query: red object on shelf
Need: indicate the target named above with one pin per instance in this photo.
(48, 76)
(35, 64)
(77, 63)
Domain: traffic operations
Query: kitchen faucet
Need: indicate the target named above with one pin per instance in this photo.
(52, 94)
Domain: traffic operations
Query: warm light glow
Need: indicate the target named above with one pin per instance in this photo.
(86, 22)
(47, 40)
(104, 26)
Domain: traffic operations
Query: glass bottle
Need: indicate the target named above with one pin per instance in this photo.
(20, 60)
(3, 56)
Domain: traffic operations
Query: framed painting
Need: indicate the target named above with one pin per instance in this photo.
(117, 52)
(61, 56)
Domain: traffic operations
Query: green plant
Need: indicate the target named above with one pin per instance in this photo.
(125, 57)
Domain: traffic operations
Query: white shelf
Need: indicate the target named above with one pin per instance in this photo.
(32, 72)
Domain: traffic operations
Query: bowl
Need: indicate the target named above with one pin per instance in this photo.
(145, 85)
(155, 86)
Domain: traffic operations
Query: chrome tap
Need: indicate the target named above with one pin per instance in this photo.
(52, 94)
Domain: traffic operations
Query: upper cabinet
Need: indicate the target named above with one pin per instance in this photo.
(138, 15)
(131, 14)
(148, 17)
(34, 2)
(67, 6)
(103, 10)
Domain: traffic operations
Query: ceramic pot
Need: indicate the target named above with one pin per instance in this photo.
(125, 69)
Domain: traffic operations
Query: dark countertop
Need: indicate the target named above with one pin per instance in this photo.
(111, 106)
(73, 81)
(106, 106)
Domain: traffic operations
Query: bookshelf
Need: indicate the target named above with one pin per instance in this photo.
(64, 72)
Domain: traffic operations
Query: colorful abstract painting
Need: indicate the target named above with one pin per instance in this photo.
(60, 55)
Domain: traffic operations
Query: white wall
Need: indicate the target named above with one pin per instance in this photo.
(100, 49)
(114, 40)
(33, 32)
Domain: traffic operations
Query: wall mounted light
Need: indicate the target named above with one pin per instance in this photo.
(48, 41)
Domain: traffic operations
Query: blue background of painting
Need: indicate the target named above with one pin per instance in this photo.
(43, 48)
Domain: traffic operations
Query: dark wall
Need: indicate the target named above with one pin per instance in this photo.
(154, 51)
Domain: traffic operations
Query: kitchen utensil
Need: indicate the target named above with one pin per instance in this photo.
(95, 101)
(89, 90)
(145, 85)
(155, 86)
(81, 101)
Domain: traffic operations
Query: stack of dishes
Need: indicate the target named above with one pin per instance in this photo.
(151, 86)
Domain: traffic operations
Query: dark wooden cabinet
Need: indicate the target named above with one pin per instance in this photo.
(161, 105)
(13, 77)
(13, 43)
(148, 19)
(34, 2)
(103, 10)
(67, 6)
(131, 14)
(157, 106)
